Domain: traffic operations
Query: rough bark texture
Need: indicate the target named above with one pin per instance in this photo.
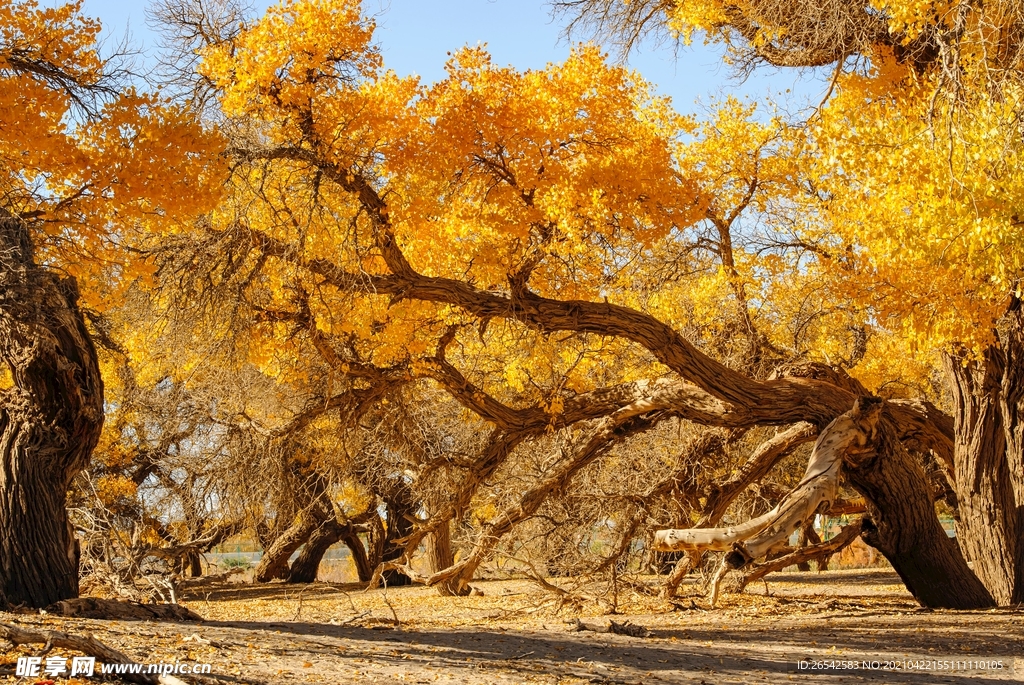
(989, 459)
(902, 524)
(50, 421)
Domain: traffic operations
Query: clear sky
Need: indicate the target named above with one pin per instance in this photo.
(416, 35)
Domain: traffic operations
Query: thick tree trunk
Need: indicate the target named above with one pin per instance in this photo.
(989, 459)
(902, 524)
(305, 567)
(50, 421)
(440, 556)
(364, 569)
(274, 562)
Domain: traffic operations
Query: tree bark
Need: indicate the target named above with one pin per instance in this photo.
(274, 562)
(364, 568)
(50, 421)
(306, 566)
(440, 556)
(902, 524)
(989, 458)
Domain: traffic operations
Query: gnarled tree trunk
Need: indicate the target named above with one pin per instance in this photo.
(306, 566)
(274, 562)
(50, 421)
(902, 523)
(989, 458)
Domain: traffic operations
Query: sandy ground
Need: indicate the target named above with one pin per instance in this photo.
(512, 634)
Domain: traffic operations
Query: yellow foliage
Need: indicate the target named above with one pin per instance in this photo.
(99, 182)
(111, 489)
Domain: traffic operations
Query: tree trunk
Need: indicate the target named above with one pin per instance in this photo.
(274, 562)
(364, 568)
(902, 524)
(440, 556)
(305, 567)
(400, 508)
(193, 562)
(50, 421)
(989, 459)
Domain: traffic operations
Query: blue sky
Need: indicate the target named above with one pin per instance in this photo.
(416, 36)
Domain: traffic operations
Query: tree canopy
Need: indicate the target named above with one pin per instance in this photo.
(407, 309)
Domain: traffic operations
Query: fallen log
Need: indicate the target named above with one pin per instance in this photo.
(627, 628)
(120, 610)
(89, 646)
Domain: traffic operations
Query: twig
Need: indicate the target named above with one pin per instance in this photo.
(298, 609)
(350, 620)
(384, 594)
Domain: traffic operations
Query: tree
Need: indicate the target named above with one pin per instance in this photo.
(87, 164)
(564, 191)
(931, 225)
(51, 415)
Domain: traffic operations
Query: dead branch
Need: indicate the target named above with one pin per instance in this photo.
(89, 646)
(849, 434)
(846, 536)
(627, 628)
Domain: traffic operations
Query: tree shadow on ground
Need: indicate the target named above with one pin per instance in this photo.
(719, 655)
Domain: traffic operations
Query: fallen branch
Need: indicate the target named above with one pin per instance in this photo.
(849, 434)
(846, 536)
(627, 628)
(89, 646)
(120, 610)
